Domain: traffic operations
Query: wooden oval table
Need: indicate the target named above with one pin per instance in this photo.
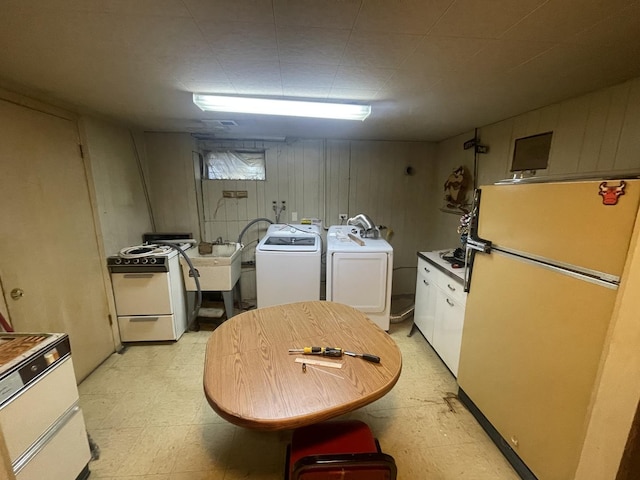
(251, 380)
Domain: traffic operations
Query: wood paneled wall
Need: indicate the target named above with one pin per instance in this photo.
(597, 133)
(171, 181)
(321, 179)
(116, 167)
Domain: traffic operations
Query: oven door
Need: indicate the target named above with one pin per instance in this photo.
(144, 293)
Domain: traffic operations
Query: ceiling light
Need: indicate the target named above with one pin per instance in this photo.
(293, 108)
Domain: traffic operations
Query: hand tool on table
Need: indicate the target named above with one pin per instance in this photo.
(334, 352)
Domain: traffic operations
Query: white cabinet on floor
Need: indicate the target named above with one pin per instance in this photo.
(439, 307)
(424, 314)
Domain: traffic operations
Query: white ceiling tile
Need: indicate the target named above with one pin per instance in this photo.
(412, 82)
(138, 61)
(482, 18)
(316, 13)
(202, 74)
(241, 41)
(360, 78)
(121, 7)
(307, 74)
(356, 94)
(255, 11)
(407, 16)
(379, 49)
(558, 20)
(438, 55)
(311, 45)
(500, 56)
(621, 30)
(249, 87)
(264, 76)
(219, 87)
(306, 91)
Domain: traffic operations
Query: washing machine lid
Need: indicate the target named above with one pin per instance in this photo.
(289, 243)
(293, 229)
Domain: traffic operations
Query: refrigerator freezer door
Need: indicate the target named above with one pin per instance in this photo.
(530, 351)
(564, 222)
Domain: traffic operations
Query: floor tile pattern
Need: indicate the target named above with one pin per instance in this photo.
(146, 411)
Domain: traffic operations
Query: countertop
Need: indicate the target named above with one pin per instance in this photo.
(445, 267)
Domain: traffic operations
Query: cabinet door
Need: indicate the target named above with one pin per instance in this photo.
(447, 334)
(360, 280)
(425, 302)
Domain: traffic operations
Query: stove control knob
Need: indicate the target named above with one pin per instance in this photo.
(127, 261)
(145, 260)
(152, 260)
(136, 261)
(117, 261)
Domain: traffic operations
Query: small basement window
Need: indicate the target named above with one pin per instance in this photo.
(235, 165)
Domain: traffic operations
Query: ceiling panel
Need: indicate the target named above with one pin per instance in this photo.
(482, 18)
(431, 69)
(312, 45)
(316, 13)
(407, 16)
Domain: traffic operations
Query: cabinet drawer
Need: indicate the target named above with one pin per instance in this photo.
(67, 440)
(37, 408)
(452, 288)
(147, 328)
(427, 271)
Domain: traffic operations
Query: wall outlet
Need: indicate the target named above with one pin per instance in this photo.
(343, 217)
(242, 194)
(294, 216)
(229, 193)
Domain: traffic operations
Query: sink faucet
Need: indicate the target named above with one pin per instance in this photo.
(219, 241)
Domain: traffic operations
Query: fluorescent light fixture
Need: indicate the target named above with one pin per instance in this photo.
(274, 106)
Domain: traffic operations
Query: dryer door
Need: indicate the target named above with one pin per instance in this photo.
(360, 280)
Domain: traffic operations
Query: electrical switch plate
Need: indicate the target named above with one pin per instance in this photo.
(241, 194)
(294, 216)
(229, 193)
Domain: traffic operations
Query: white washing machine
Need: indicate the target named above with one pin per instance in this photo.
(288, 264)
(359, 272)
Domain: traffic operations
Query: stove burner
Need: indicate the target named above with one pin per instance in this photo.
(144, 251)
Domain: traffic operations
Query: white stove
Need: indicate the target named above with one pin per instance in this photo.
(148, 289)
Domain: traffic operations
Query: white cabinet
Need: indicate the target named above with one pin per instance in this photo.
(439, 311)
(447, 334)
(425, 304)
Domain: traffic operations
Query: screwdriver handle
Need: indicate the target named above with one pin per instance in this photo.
(371, 358)
(324, 351)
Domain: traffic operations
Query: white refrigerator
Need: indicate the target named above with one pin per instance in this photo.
(544, 266)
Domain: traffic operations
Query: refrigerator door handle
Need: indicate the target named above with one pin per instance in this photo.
(474, 243)
(479, 245)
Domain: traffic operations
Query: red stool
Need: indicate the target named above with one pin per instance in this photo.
(337, 450)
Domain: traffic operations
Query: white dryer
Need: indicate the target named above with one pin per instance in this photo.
(288, 264)
(359, 272)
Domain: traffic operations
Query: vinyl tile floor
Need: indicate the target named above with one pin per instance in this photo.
(146, 411)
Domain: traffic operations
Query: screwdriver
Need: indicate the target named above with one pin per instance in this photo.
(324, 351)
(334, 352)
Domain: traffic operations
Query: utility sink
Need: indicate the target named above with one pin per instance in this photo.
(224, 250)
(218, 270)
